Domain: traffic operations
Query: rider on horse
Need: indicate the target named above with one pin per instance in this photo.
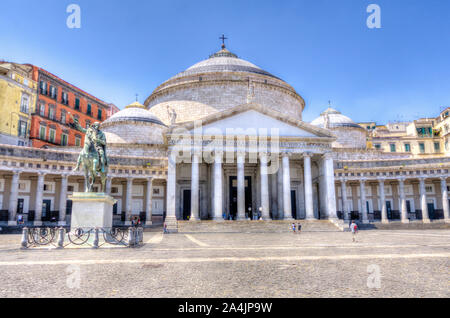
(97, 138)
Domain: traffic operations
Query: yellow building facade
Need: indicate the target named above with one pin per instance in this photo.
(424, 137)
(18, 93)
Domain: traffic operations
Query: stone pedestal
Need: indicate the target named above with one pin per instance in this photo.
(91, 210)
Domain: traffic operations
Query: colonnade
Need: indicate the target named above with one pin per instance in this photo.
(402, 197)
(283, 177)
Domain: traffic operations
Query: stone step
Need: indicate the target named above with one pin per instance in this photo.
(413, 225)
(254, 226)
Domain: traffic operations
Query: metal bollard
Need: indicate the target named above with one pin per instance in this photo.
(62, 233)
(131, 238)
(95, 244)
(24, 243)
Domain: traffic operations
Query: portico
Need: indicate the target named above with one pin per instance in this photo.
(232, 174)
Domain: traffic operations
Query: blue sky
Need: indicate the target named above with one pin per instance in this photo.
(323, 48)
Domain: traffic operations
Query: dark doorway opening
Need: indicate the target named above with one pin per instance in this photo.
(232, 213)
(294, 204)
(20, 206)
(186, 204)
(389, 209)
(69, 207)
(46, 205)
(431, 211)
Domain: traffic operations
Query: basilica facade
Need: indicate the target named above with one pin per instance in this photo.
(225, 140)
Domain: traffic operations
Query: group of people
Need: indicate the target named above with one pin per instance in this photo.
(353, 228)
(297, 228)
(135, 221)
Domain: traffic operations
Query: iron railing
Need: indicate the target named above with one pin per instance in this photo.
(33, 237)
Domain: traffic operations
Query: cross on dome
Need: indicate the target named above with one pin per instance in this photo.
(223, 38)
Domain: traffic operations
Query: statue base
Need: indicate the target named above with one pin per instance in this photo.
(90, 210)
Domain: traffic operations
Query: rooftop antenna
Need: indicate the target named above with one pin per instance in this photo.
(137, 97)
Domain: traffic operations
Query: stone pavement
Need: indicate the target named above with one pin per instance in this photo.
(311, 264)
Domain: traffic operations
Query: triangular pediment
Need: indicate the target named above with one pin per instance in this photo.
(254, 119)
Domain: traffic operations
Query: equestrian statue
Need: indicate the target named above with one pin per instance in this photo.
(93, 157)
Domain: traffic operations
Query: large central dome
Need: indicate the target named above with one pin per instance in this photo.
(218, 83)
(223, 61)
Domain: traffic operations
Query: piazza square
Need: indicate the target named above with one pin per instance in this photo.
(381, 264)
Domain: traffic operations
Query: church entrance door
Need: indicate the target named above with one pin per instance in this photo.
(186, 204)
(232, 213)
(294, 204)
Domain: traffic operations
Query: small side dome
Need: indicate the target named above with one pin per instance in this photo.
(134, 125)
(335, 119)
(133, 112)
(348, 133)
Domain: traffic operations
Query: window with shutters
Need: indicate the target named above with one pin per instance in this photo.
(64, 98)
(42, 132)
(52, 135)
(53, 91)
(77, 103)
(43, 88)
(22, 128)
(99, 114)
(422, 147)
(437, 147)
(89, 110)
(407, 148)
(63, 139)
(63, 116)
(42, 109)
(52, 112)
(24, 103)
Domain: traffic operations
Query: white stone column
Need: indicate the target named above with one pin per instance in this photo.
(218, 190)
(149, 202)
(308, 187)
(195, 188)
(38, 201)
(274, 196)
(108, 185)
(12, 211)
(280, 192)
(381, 193)
(345, 210)
(265, 213)
(240, 158)
(330, 186)
(63, 200)
(129, 200)
(286, 188)
(171, 219)
(403, 210)
(362, 200)
(423, 201)
(445, 206)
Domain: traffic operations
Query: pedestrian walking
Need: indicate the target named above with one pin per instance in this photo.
(293, 228)
(299, 227)
(354, 229)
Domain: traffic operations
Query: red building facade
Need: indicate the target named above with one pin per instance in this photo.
(56, 100)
